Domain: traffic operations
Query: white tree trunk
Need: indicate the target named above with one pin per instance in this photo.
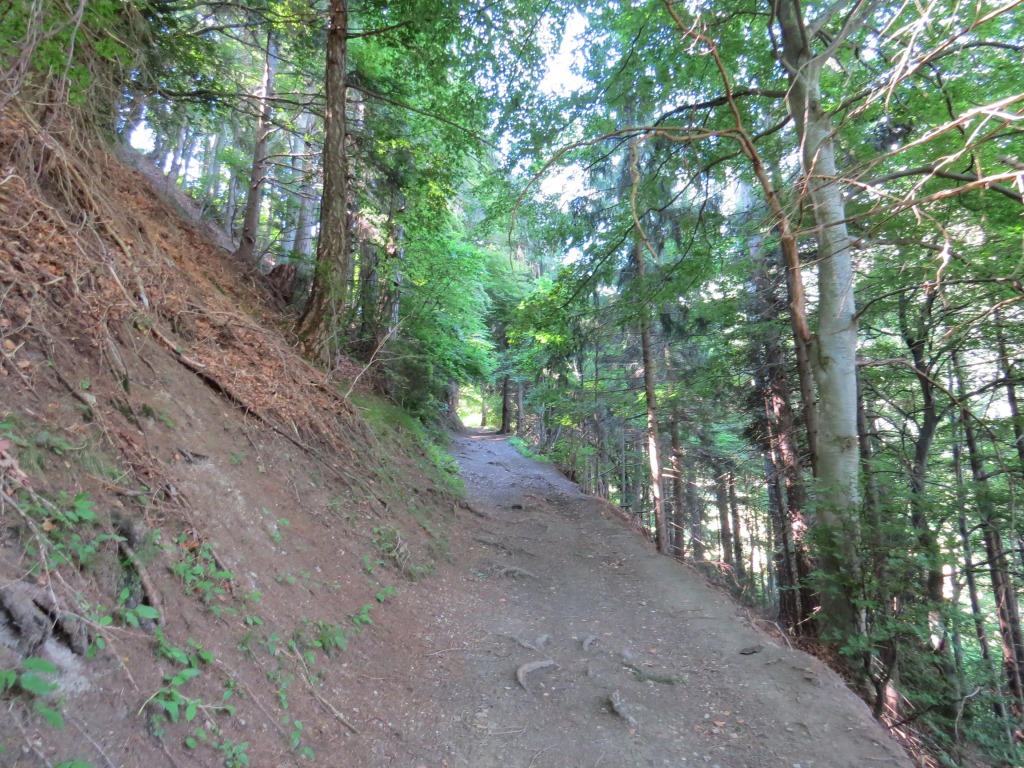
(833, 352)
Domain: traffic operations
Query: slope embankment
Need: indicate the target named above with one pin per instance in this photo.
(195, 522)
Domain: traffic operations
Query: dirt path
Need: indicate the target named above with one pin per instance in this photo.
(553, 584)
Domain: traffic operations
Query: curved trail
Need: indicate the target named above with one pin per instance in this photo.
(623, 657)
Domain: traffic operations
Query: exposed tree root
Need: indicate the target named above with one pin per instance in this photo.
(618, 705)
(513, 572)
(533, 666)
(36, 616)
(654, 677)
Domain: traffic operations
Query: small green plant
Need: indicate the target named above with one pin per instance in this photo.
(244, 644)
(251, 619)
(163, 415)
(362, 618)
(237, 457)
(29, 682)
(390, 544)
(282, 680)
(368, 564)
(196, 656)
(171, 700)
(384, 594)
(133, 616)
(272, 642)
(54, 444)
(331, 638)
(296, 740)
(200, 573)
(169, 703)
(234, 754)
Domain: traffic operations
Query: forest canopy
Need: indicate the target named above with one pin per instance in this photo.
(751, 270)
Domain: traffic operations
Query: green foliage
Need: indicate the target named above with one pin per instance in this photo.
(29, 682)
(200, 574)
(134, 615)
(397, 426)
(520, 445)
(86, 53)
(362, 618)
(64, 531)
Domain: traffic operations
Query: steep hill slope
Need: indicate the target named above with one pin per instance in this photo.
(195, 523)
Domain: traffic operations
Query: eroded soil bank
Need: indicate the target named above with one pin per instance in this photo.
(559, 638)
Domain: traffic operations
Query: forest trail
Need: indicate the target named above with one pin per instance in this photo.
(552, 586)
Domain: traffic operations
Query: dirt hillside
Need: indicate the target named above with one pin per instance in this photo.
(194, 523)
(214, 554)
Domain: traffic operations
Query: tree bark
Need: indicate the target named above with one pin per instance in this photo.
(506, 407)
(926, 426)
(231, 207)
(520, 409)
(678, 492)
(303, 248)
(833, 351)
(246, 250)
(969, 572)
(696, 513)
(1003, 589)
(179, 149)
(797, 602)
(724, 528)
(737, 540)
(650, 395)
(318, 328)
(211, 186)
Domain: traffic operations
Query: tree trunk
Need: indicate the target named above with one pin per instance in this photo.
(520, 409)
(179, 150)
(969, 572)
(186, 159)
(1003, 589)
(304, 221)
(833, 353)
(1009, 372)
(246, 250)
(394, 302)
(678, 492)
(737, 540)
(211, 185)
(318, 327)
(231, 206)
(506, 407)
(724, 528)
(797, 602)
(696, 513)
(134, 113)
(654, 461)
(927, 423)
